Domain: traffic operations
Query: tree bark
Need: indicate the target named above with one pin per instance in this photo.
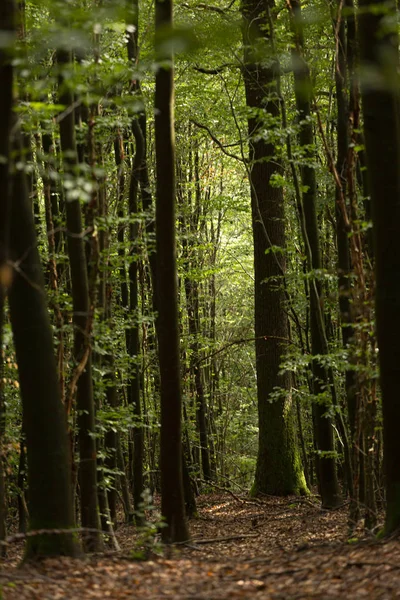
(190, 221)
(7, 16)
(278, 470)
(49, 476)
(133, 341)
(82, 326)
(379, 64)
(172, 499)
(323, 431)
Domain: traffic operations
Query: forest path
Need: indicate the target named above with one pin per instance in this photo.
(292, 550)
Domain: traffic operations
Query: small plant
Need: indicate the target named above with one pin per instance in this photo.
(148, 541)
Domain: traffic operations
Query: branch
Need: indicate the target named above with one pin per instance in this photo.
(217, 141)
(210, 8)
(215, 71)
(228, 491)
(226, 538)
(242, 341)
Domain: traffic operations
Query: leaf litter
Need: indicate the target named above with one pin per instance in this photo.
(278, 548)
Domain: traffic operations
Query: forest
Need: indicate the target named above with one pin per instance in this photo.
(199, 299)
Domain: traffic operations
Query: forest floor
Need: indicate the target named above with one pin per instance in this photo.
(278, 548)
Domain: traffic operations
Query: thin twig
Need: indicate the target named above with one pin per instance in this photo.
(226, 538)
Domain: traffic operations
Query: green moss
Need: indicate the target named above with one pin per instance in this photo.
(279, 469)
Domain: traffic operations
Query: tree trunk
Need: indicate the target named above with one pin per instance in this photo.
(7, 16)
(172, 499)
(278, 470)
(342, 231)
(191, 286)
(53, 240)
(324, 441)
(379, 63)
(133, 332)
(82, 326)
(49, 476)
(124, 485)
(23, 515)
(190, 499)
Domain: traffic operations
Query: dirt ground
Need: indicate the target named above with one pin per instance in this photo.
(278, 548)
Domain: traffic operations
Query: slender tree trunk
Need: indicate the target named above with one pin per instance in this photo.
(107, 361)
(119, 158)
(191, 286)
(139, 178)
(172, 499)
(192, 299)
(342, 231)
(111, 437)
(50, 186)
(118, 151)
(134, 344)
(53, 238)
(133, 333)
(23, 516)
(361, 246)
(124, 484)
(190, 499)
(82, 320)
(323, 430)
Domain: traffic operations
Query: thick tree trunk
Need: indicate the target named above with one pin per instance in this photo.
(49, 477)
(7, 16)
(43, 414)
(278, 469)
(3, 415)
(172, 499)
(379, 62)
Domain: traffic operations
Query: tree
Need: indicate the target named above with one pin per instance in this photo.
(279, 469)
(7, 16)
(323, 430)
(190, 226)
(82, 321)
(172, 499)
(309, 245)
(49, 474)
(133, 342)
(49, 477)
(379, 63)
